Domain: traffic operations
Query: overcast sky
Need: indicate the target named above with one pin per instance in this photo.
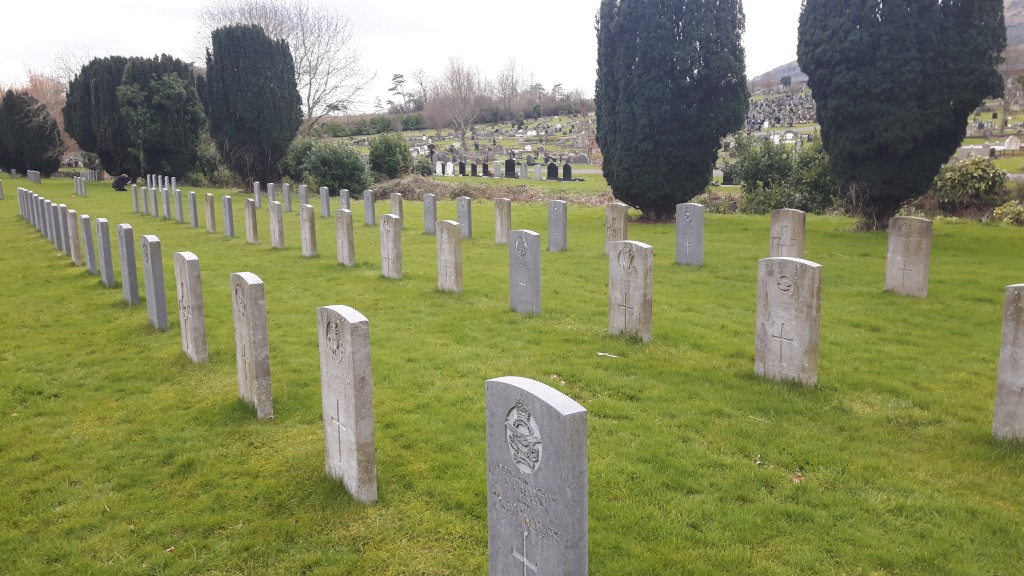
(554, 41)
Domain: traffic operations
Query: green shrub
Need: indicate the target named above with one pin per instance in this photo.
(390, 156)
(335, 166)
(291, 165)
(1011, 213)
(210, 170)
(422, 166)
(969, 184)
(776, 176)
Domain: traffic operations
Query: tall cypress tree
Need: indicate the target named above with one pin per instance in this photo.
(253, 105)
(93, 118)
(161, 110)
(670, 84)
(894, 82)
(29, 136)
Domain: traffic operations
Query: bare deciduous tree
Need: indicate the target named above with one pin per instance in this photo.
(457, 94)
(328, 67)
(507, 84)
(426, 85)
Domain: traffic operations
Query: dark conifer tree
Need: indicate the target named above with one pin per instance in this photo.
(894, 82)
(670, 84)
(253, 105)
(93, 118)
(29, 136)
(161, 110)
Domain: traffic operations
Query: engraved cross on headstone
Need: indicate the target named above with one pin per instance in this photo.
(447, 269)
(387, 264)
(336, 420)
(523, 557)
(903, 277)
(781, 337)
(625, 307)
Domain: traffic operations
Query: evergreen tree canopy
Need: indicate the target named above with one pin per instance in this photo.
(252, 101)
(29, 136)
(894, 82)
(670, 84)
(161, 110)
(93, 118)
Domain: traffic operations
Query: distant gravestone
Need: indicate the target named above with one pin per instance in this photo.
(429, 213)
(566, 172)
(156, 203)
(397, 207)
(391, 246)
(787, 233)
(536, 480)
(191, 315)
(104, 255)
(346, 388)
(257, 194)
(464, 212)
(252, 347)
(537, 172)
(439, 168)
(193, 210)
(524, 171)
(1008, 421)
(87, 244)
(558, 225)
(1012, 144)
(145, 200)
(179, 209)
(552, 171)
(462, 168)
(502, 220)
(524, 271)
(135, 199)
(510, 168)
(303, 194)
(908, 259)
(74, 243)
(690, 234)
(307, 230)
(153, 275)
(631, 289)
(271, 192)
(286, 196)
(165, 199)
(229, 216)
(345, 198)
(369, 208)
(615, 224)
(62, 225)
(252, 235)
(486, 169)
(277, 226)
(129, 274)
(496, 170)
(788, 320)
(345, 237)
(449, 257)
(449, 169)
(474, 170)
(211, 213)
(325, 202)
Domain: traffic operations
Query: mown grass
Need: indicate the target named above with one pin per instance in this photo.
(119, 456)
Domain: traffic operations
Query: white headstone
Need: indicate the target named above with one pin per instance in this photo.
(153, 275)
(615, 224)
(787, 233)
(690, 234)
(191, 315)
(345, 237)
(631, 289)
(229, 216)
(464, 211)
(788, 320)
(252, 347)
(276, 225)
(1008, 422)
(104, 254)
(908, 259)
(391, 246)
(211, 213)
(129, 273)
(449, 257)
(502, 220)
(524, 271)
(429, 213)
(307, 230)
(252, 235)
(369, 209)
(557, 226)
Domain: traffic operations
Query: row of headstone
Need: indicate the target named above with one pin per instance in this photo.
(511, 169)
(80, 187)
(90, 175)
(33, 176)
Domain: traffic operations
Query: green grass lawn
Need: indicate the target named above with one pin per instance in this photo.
(121, 457)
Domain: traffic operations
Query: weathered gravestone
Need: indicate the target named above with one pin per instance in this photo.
(429, 214)
(252, 347)
(536, 480)
(449, 257)
(558, 225)
(502, 220)
(179, 209)
(345, 237)
(788, 320)
(690, 234)
(787, 233)
(439, 168)
(87, 245)
(276, 226)
(391, 246)
(303, 194)
(286, 193)
(271, 192)
(229, 216)
(62, 225)
(74, 244)
(104, 255)
(397, 206)
(191, 315)
(307, 230)
(257, 195)
(153, 276)
(346, 389)
(1008, 422)
(369, 209)
(615, 224)
(145, 200)
(908, 258)
(211, 213)
(524, 271)
(325, 202)
(631, 289)
(129, 274)
(252, 235)
(537, 172)
(464, 213)
(524, 171)
(193, 210)
(135, 199)
(165, 199)
(345, 198)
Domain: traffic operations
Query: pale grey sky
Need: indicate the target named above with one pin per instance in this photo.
(555, 42)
